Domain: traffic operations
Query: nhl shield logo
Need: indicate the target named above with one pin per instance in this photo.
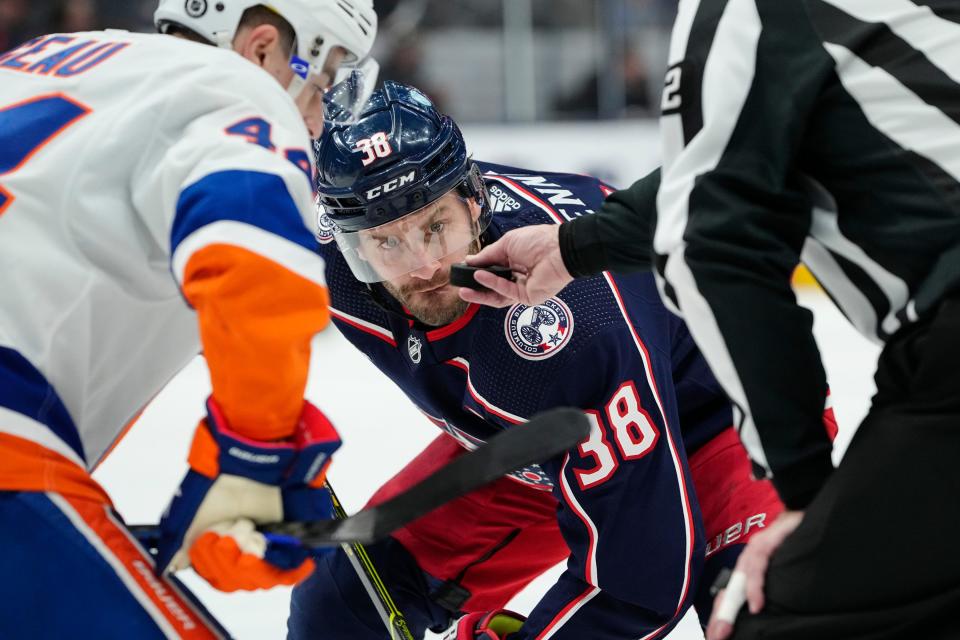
(541, 331)
(414, 349)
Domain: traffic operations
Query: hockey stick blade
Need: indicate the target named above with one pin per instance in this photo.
(546, 435)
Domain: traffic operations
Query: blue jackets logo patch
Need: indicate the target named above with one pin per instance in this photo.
(541, 331)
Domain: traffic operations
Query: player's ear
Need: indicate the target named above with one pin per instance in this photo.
(261, 45)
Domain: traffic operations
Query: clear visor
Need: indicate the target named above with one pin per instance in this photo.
(335, 93)
(420, 243)
(348, 96)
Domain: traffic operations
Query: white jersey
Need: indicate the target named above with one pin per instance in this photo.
(124, 159)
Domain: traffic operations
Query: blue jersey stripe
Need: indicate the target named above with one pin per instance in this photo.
(255, 198)
(25, 390)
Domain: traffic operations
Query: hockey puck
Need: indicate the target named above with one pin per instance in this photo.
(461, 275)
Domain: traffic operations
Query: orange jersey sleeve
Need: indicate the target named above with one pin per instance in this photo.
(257, 319)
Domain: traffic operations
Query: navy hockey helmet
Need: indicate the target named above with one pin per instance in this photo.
(400, 158)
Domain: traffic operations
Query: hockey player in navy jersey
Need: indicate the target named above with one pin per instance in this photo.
(400, 202)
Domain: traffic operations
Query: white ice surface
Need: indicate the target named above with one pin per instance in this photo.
(381, 431)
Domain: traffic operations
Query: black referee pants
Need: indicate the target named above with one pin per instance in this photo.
(877, 555)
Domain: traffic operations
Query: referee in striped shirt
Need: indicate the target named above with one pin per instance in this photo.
(826, 131)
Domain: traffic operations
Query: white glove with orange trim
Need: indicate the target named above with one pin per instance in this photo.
(234, 482)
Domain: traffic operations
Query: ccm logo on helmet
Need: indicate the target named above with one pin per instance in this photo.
(391, 185)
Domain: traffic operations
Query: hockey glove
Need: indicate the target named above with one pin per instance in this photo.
(488, 625)
(234, 482)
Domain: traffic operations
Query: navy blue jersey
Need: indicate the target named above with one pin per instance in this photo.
(606, 345)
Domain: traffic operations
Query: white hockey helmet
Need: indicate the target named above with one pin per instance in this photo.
(320, 25)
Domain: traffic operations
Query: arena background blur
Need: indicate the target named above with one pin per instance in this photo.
(547, 84)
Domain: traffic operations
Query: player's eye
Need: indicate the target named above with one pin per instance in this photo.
(388, 243)
(437, 227)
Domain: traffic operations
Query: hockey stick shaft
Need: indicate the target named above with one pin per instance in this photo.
(356, 553)
(546, 435)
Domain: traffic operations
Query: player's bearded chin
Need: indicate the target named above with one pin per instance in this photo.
(434, 310)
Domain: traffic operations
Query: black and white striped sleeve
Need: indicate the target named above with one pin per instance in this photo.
(732, 219)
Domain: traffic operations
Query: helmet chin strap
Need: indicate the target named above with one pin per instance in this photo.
(297, 83)
(484, 239)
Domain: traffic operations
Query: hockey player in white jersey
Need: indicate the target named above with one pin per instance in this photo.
(155, 201)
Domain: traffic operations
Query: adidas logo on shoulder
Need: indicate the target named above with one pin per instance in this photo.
(501, 200)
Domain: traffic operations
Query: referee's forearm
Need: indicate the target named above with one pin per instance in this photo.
(799, 483)
(741, 311)
(619, 237)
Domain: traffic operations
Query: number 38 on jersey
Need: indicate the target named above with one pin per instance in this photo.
(633, 435)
